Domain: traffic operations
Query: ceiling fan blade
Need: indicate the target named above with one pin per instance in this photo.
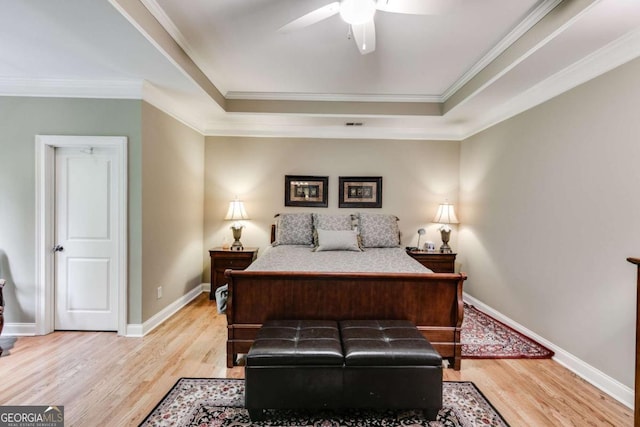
(365, 36)
(312, 17)
(418, 7)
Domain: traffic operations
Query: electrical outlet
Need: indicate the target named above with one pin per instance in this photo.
(159, 290)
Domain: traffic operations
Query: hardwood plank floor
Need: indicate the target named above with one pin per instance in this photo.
(106, 380)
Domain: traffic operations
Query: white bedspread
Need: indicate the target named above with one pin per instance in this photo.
(302, 258)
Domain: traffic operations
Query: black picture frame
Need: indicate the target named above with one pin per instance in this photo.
(360, 192)
(306, 191)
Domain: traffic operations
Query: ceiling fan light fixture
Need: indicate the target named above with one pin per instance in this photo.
(357, 12)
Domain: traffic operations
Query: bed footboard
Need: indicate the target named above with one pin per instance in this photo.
(433, 302)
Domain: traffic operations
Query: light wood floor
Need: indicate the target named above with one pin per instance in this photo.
(106, 380)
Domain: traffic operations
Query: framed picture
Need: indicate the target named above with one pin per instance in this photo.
(360, 192)
(311, 191)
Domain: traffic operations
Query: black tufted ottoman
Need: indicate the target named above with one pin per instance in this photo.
(390, 364)
(294, 364)
(354, 364)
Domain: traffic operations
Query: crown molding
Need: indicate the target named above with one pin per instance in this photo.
(605, 59)
(532, 19)
(158, 13)
(67, 88)
(438, 132)
(166, 103)
(331, 97)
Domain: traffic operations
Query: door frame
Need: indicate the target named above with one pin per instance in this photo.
(45, 223)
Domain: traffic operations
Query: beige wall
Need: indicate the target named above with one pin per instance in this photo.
(417, 176)
(550, 212)
(172, 209)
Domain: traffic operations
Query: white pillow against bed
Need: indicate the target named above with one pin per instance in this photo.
(337, 240)
(331, 222)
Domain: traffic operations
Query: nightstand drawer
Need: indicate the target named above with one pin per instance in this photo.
(435, 261)
(233, 263)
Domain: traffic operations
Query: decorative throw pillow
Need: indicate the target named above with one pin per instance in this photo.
(379, 230)
(337, 240)
(293, 229)
(330, 222)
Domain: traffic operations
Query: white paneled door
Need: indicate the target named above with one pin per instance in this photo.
(86, 239)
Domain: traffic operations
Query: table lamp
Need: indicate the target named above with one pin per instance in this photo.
(236, 213)
(446, 215)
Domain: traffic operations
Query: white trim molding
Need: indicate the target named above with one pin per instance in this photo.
(67, 88)
(19, 330)
(539, 12)
(140, 330)
(605, 59)
(599, 379)
(336, 97)
(45, 225)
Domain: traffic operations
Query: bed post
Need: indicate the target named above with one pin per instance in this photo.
(636, 417)
(457, 359)
(2, 282)
(231, 354)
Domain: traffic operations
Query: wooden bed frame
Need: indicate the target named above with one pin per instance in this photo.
(433, 302)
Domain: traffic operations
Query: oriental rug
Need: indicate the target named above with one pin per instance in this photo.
(484, 337)
(209, 402)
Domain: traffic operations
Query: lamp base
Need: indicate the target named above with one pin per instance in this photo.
(237, 233)
(445, 234)
(445, 249)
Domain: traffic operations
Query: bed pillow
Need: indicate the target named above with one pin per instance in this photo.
(293, 229)
(331, 222)
(379, 230)
(337, 240)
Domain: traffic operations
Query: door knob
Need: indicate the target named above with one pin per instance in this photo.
(58, 248)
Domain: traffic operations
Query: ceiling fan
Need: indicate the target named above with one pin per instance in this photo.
(359, 15)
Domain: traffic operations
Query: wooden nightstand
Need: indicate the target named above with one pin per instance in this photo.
(221, 259)
(435, 261)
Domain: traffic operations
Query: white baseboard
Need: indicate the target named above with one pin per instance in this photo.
(140, 330)
(19, 329)
(133, 329)
(609, 385)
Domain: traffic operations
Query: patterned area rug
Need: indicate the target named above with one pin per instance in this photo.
(483, 337)
(209, 402)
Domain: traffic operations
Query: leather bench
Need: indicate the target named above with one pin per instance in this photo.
(294, 364)
(310, 364)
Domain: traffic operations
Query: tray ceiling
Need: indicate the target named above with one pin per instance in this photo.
(223, 67)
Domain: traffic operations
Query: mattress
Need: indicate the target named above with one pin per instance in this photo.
(303, 258)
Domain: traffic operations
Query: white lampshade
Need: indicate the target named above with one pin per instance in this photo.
(236, 211)
(356, 12)
(445, 215)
